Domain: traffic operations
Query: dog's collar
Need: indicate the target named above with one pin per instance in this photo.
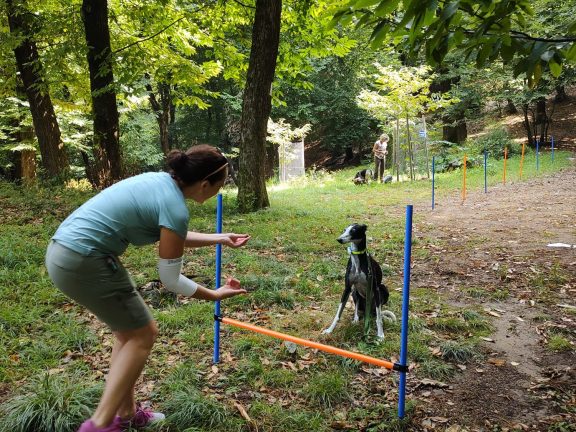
(356, 252)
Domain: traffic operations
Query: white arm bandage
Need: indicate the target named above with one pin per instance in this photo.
(172, 278)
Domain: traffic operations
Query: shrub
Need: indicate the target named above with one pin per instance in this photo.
(189, 409)
(494, 142)
(457, 351)
(49, 403)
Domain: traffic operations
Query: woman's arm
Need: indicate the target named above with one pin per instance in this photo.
(170, 251)
(194, 239)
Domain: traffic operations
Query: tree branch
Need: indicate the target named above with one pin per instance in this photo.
(243, 5)
(149, 37)
(522, 35)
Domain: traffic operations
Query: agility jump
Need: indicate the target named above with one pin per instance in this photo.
(400, 366)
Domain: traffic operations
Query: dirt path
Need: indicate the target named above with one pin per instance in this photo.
(491, 252)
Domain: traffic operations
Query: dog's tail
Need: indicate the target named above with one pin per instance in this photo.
(389, 315)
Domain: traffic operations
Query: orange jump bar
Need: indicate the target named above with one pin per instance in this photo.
(311, 344)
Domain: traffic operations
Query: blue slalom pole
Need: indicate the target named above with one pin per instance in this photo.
(485, 170)
(552, 142)
(537, 155)
(405, 304)
(433, 171)
(216, 358)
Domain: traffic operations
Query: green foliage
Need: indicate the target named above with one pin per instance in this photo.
(337, 121)
(483, 32)
(448, 155)
(494, 142)
(49, 403)
(402, 92)
(140, 143)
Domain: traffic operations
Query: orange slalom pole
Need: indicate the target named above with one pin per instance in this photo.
(464, 181)
(505, 158)
(522, 159)
(311, 344)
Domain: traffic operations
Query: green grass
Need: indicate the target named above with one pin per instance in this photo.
(294, 270)
(559, 343)
(49, 403)
(325, 389)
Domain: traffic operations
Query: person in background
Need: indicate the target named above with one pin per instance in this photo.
(380, 151)
(83, 262)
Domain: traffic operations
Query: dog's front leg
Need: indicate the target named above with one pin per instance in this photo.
(379, 325)
(356, 311)
(341, 306)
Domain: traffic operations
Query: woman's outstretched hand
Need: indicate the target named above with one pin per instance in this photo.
(230, 289)
(234, 240)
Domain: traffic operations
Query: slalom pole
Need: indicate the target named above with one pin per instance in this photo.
(552, 142)
(537, 155)
(485, 182)
(311, 344)
(505, 158)
(522, 159)
(464, 181)
(433, 172)
(216, 358)
(405, 304)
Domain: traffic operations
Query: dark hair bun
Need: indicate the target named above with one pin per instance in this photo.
(177, 159)
(200, 162)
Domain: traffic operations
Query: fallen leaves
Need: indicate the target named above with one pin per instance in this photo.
(496, 361)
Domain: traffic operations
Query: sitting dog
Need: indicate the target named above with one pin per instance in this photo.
(363, 177)
(360, 269)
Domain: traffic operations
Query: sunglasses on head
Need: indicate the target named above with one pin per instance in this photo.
(216, 171)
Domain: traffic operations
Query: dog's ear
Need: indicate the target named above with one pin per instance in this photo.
(363, 227)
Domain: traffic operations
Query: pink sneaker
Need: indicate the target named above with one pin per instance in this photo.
(88, 426)
(143, 417)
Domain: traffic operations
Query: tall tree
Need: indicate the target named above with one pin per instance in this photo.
(257, 104)
(104, 110)
(161, 103)
(54, 159)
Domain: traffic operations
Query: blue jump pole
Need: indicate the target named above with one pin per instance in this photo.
(433, 171)
(485, 170)
(552, 142)
(405, 304)
(216, 358)
(537, 155)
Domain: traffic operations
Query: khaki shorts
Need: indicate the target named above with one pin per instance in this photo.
(99, 283)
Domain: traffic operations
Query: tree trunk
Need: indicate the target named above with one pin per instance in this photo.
(104, 110)
(527, 124)
(163, 112)
(510, 107)
(455, 133)
(561, 95)
(410, 149)
(272, 161)
(455, 130)
(54, 159)
(541, 121)
(256, 106)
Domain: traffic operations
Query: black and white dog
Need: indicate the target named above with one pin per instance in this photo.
(363, 177)
(362, 268)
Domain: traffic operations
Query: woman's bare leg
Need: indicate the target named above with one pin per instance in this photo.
(129, 356)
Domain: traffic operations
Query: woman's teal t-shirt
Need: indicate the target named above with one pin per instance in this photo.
(131, 211)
